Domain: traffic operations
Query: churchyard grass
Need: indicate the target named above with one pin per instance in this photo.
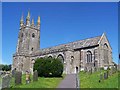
(42, 82)
(92, 80)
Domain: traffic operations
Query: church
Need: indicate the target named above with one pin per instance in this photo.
(88, 54)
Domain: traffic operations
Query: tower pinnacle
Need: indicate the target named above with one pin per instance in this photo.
(28, 19)
(21, 21)
(28, 16)
(38, 21)
(32, 22)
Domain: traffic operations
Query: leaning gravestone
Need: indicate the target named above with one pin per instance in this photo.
(6, 81)
(18, 77)
(35, 76)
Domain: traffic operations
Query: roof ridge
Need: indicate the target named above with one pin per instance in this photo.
(69, 42)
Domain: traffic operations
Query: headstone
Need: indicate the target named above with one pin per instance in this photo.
(6, 81)
(85, 69)
(101, 77)
(18, 77)
(105, 75)
(90, 71)
(113, 70)
(110, 72)
(95, 69)
(13, 72)
(35, 76)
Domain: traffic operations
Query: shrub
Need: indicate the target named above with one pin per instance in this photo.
(48, 67)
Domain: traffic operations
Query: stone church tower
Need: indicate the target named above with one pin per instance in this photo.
(28, 42)
(89, 54)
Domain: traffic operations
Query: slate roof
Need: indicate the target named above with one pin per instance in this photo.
(70, 46)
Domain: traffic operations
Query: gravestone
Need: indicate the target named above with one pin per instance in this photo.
(90, 71)
(6, 81)
(113, 70)
(85, 69)
(110, 72)
(105, 75)
(35, 76)
(95, 69)
(18, 77)
(13, 72)
(101, 77)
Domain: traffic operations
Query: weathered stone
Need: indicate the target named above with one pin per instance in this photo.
(13, 72)
(18, 77)
(6, 79)
(92, 52)
(90, 71)
(105, 75)
(101, 77)
(35, 76)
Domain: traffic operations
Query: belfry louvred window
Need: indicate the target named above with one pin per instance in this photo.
(33, 35)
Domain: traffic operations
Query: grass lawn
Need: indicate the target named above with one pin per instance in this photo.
(41, 83)
(92, 81)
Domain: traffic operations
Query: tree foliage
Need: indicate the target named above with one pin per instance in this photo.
(5, 67)
(48, 67)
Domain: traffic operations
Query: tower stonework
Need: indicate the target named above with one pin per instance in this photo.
(28, 42)
(88, 54)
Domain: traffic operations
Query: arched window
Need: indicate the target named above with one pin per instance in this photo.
(106, 53)
(61, 58)
(72, 59)
(33, 35)
(32, 49)
(49, 56)
(22, 35)
(89, 56)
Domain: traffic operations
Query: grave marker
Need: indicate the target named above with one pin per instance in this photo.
(18, 77)
(35, 76)
(6, 81)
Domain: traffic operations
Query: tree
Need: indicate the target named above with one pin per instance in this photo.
(5, 67)
(48, 67)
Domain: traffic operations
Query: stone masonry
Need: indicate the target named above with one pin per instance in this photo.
(84, 54)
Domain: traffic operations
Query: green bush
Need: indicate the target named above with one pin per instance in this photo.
(48, 67)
